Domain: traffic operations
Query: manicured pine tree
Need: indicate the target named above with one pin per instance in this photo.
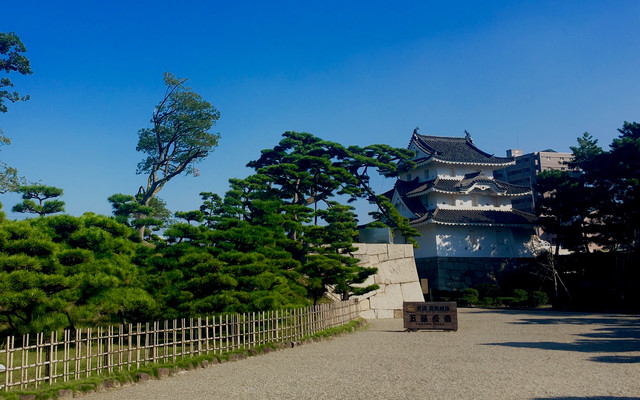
(43, 194)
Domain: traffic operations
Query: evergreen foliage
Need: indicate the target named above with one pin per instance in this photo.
(11, 60)
(43, 194)
(178, 138)
(277, 239)
(596, 208)
(64, 272)
(601, 202)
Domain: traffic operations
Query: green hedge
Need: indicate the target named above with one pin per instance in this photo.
(492, 296)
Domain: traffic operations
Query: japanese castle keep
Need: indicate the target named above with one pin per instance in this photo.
(470, 232)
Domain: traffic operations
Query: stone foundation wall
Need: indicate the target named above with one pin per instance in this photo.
(397, 277)
(457, 273)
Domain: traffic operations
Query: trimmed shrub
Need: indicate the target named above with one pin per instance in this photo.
(539, 299)
(521, 297)
(469, 297)
(488, 290)
(488, 302)
(507, 301)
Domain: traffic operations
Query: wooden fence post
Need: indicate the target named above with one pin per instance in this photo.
(106, 350)
(236, 331)
(8, 373)
(48, 371)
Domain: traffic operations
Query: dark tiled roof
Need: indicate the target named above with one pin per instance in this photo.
(455, 149)
(389, 194)
(413, 203)
(457, 185)
(477, 217)
(513, 189)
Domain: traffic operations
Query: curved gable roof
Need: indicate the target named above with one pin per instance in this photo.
(413, 203)
(457, 150)
(459, 186)
(477, 217)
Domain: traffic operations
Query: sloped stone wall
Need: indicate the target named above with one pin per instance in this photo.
(397, 277)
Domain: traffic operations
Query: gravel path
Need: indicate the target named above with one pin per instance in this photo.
(493, 355)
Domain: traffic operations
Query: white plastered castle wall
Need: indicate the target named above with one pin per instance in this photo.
(472, 241)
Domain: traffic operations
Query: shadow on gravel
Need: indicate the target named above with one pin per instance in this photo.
(552, 317)
(616, 359)
(583, 346)
(587, 398)
(564, 319)
(615, 334)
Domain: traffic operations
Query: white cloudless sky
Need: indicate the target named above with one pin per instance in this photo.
(531, 75)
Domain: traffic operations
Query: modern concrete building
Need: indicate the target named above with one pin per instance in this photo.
(469, 228)
(525, 170)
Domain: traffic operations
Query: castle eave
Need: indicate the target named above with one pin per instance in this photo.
(480, 217)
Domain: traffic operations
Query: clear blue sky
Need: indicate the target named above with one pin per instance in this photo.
(515, 74)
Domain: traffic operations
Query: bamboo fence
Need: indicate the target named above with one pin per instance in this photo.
(46, 359)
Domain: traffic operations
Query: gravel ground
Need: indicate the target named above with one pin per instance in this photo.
(493, 355)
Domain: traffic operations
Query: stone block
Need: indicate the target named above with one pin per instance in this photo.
(391, 299)
(27, 397)
(399, 270)
(65, 394)
(371, 248)
(384, 314)
(362, 249)
(363, 305)
(371, 279)
(363, 259)
(396, 251)
(408, 251)
(368, 314)
(110, 384)
(143, 377)
(382, 274)
(412, 291)
(163, 372)
(397, 277)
